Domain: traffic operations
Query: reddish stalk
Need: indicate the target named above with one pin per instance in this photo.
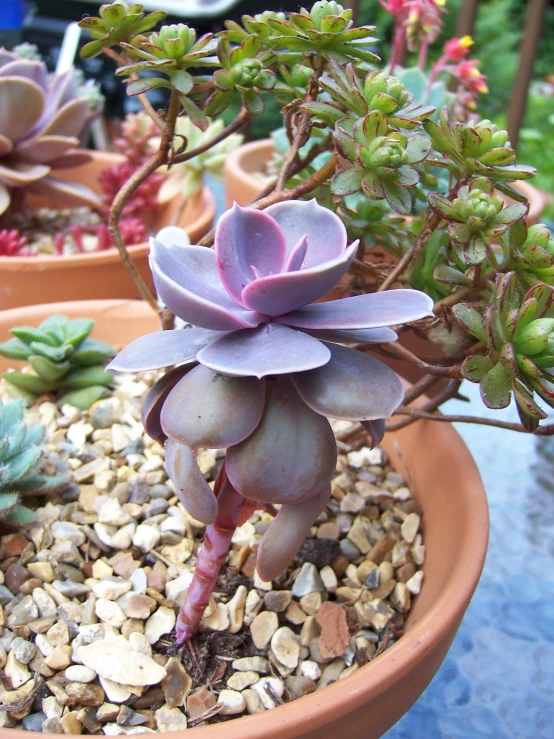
(211, 556)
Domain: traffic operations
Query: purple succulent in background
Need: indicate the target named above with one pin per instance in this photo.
(41, 118)
(265, 366)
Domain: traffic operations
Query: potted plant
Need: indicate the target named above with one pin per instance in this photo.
(43, 167)
(263, 366)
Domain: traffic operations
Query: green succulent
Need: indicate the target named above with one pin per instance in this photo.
(354, 96)
(325, 30)
(117, 23)
(246, 69)
(381, 161)
(370, 221)
(257, 24)
(519, 335)
(532, 253)
(477, 149)
(20, 456)
(476, 217)
(65, 361)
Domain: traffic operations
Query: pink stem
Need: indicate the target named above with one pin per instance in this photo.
(424, 48)
(399, 40)
(215, 548)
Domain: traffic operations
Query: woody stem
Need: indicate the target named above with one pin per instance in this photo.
(211, 556)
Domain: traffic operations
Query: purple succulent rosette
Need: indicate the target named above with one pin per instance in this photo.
(266, 366)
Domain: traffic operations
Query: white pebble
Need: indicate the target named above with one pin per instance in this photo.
(232, 701)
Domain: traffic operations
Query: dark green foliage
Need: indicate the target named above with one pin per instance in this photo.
(65, 361)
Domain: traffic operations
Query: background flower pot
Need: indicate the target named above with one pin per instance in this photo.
(242, 185)
(446, 483)
(44, 279)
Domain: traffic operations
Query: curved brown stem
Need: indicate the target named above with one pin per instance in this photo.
(397, 350)
(417, 413)
(227, 131)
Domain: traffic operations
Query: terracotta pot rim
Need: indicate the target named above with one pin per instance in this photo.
(205, 199)
(410, 650)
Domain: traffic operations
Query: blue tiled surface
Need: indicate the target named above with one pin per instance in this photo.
(498, 678)
(497, 681)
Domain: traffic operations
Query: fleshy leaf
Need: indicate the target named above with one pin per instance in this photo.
(271, 349)
(352, 386)
(192, 489)
(156, 397)
(205, 409)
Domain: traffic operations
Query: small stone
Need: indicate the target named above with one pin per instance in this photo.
(311, 603)
(24, 612)
(310, 669)
(401, 598)
(335, 634)
(14, 578)
(328, 530)
(111, 588)
(34, 721)
(235, 609)
(253, 701)
(115, 693)
(380, 549)
(418, 554)
(70, 589)
(410, 527)
(307, 581)
(252, 606)
(300, 685)
(52, 726)
(107, 712)
(352, 503)
(161, 622)
(358, 536)
(12, 545)
(232, 701)
(331, 673)
(127, 717)
(84, 694)
(404, 573)
(285, 646)
(115, 660)
(176, 684)
(59, 658)
(42, 570)
(67, 531)
(70, 723)
(123, 564)
(200, 701)
(277, 600)
(170, 719)
(16, 671)
(80, 674)
(101, 569)
(414, 583)
(140, 643)
(46, 605)
(310, 630)
(146, 537)
(276, 687)
(242, 680)
(295, 614)
(400, 554)
(23, 650)
(247, 664)
(139, 606)
(263, 627)
(329, 579)
(110, 612)
(139, 581)
(176, 590)
(218, 620)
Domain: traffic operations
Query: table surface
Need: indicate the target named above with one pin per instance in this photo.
(497, 681)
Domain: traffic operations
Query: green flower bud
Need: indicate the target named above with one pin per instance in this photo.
(324, 8)
(535, 337)
(300, 75)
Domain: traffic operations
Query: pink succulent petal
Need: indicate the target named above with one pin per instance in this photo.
(374, 310)
(285, 292)
(191, 297)
(162, 349)
(325, 230)
(6, 145)
(246, 238)
(21, 174)
(285, 535)
(22, 106)
(297, 255)
(355, 336)
(72, 193)
(289, 455)
(31, 70)
(75, 158)
(192, 489)
(201, 261)
(46, 149)
(375, 430)
(67, 121)
(155, 398)
(270, 349)
(352, 386)
(206, 409)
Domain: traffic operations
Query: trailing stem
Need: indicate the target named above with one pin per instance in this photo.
(213, 552)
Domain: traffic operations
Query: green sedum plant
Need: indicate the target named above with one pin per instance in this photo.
(20, 457)
(65, 361)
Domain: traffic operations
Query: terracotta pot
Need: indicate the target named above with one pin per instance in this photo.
(242, 186)
(446, 483)
(47, 279)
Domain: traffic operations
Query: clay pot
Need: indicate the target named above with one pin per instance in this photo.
(96, 275)
(242, 185)
(446, 483)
